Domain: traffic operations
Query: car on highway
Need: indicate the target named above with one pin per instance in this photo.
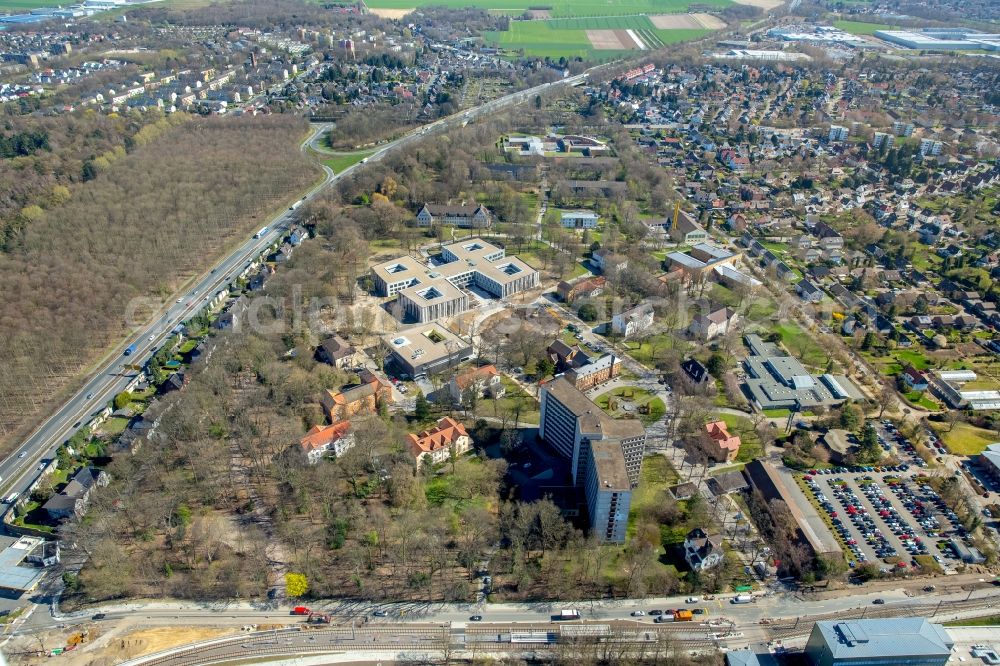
(638, 613)
(77, 424)
(476, 618)
(379, 613)
(179, 300)
(656, 613)
(98, 616)
(152, 337)
(22, 454)
(879, 602)
(89, 396)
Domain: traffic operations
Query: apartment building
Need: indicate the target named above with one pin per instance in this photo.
(608, 492)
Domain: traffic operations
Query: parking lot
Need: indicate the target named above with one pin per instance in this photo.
(882, 515)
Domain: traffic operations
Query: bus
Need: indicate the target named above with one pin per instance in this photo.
(260, 234)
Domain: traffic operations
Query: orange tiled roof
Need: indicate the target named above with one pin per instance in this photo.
(322, 435)
(442, 435)
(467, 378)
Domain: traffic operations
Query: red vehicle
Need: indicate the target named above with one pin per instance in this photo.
(301, 610)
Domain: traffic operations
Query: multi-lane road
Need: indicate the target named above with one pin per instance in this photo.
(21, 468)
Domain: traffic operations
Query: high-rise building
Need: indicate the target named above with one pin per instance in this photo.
(605, 454)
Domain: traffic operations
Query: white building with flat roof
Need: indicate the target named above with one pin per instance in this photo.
(431, 290)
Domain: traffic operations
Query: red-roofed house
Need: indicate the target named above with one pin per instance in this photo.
(483, 380)
(437, 443)
(322, 439)
(720, 445)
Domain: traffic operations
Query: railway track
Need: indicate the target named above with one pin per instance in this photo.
(798, 628)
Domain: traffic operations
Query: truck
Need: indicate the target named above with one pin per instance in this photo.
(295, 205)
(742, 599)
(260, 234)
(301, 610)
(683, 615)
(130, 349)
(569, 614)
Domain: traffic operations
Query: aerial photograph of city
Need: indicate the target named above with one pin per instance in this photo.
(513, 332)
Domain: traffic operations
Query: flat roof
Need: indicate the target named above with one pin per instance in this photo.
(424, 344)
(685, 260)
(445, 291)
(610, 466)
(12, 575)
(884, 638)
(593, 419)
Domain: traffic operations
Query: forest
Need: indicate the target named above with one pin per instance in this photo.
(116, 211)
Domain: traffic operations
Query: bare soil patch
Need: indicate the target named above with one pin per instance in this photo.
(763, 4)
(709, 21)
(539, 14)
(607, 39)
(675, 22)
(390, 13)
(626, 38)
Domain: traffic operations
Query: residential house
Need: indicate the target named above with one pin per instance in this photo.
(914, 379)
(579, 219)
(474, 216)
(483, 381)
(361, 398)
(696, 378)
(606, 261)
(590, 287)
(437, 444)
(809, 292)
(719, 444)
(566, 356)
(829, 238)
(73, 499)
(710, 326)
(632, 322)
(337, 352)
(702, 550)
(322, 439)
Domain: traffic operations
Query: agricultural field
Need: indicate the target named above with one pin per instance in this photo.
(593, 38)
(17, 6)
(557, 8)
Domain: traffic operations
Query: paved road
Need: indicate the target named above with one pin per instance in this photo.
(21, 468)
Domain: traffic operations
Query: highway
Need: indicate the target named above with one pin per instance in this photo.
(19, 470)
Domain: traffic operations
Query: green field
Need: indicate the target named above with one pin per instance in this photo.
(860, 27)
(13, 6)
(558, 8)
(341, 162)
(568, 36)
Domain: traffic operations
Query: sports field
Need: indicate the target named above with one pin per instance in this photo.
(860, 27)
(559, 8)
(592, 38)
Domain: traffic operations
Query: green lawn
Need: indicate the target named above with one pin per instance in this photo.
(341, 162)
(751, 447)
(558, 8)
(656, 476)
(920, 399)
(638, 397)
(965, 439)
(650, 349)
(988, 621)
(803, 345)
(860, 27)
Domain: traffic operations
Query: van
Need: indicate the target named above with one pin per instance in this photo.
(692, 600)
(12, 498)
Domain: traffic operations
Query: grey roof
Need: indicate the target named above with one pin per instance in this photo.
(884, 638)
(991, 455)
(742, 658)
(685, 260)
(609, 464)
(12, 575)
